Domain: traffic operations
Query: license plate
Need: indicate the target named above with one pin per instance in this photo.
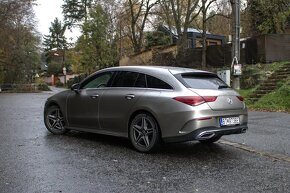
(229, 121)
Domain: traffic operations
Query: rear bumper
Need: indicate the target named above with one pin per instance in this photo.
(207, 133)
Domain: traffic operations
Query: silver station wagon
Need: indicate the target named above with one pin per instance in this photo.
(148, 105)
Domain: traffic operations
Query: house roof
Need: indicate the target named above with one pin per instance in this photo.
(174, 31)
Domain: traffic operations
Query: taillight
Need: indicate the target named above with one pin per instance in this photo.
(240, 98)
(209, 98)
(195, 100)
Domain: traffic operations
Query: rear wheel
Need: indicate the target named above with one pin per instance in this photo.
(211, 140)
(144, 132)
(54, 120)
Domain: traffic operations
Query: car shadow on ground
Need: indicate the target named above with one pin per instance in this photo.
(120, 145)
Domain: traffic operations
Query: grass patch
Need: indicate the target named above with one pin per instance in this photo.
(254, 75)
(274, 66)
(279, 100)
(246, 92)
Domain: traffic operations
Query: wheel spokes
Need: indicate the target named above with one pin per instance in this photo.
(149, 131)
(55, 120)
(60, 124)
(138, 138)
(53, 124)
(51, 117)
(137, 128)
(146, 140)
(143, 132)
(143, 122)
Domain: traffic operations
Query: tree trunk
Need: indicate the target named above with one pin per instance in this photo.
(181, 49)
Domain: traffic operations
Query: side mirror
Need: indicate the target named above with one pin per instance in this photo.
(75, 87)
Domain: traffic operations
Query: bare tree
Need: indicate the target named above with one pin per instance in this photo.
(217, 8)
(221, 22)
(205, 7)
(182, 13)
(139, 11)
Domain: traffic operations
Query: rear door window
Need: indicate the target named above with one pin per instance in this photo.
(153, 82)
(141, 81)
(202, 81)
(125, 79)
(138, 80)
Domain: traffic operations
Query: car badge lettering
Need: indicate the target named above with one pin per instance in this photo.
(230, 101)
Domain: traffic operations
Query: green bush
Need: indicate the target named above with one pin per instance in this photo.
(250, 78)
(156, 38)
(41, 85)
(54, 68)
(58, 83)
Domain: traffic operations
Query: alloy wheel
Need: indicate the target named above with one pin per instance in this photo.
(144, 133)
(54, 120)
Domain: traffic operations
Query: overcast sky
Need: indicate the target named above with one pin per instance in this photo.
(46, 11)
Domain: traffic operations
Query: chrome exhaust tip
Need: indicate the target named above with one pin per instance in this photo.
(205, 135)
(244, 130)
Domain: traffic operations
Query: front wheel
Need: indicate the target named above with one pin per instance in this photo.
(54, 121)
(144, 132)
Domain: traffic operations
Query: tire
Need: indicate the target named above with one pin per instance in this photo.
(144, 133)
(54, 120)
(211, 140)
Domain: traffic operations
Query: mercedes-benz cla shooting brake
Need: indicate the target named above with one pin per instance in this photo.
(149, 104)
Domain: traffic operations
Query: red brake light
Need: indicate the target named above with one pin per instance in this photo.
(195, 100)
(240, 98)
(210, 98)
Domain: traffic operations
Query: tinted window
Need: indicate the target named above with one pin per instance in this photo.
(98, 81)
(203, 81)
(125, 79)
(141, 81)
(153, 82)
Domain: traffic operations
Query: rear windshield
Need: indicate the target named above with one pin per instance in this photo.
(202, 81)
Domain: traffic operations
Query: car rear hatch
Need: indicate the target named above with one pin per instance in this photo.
(226, 99)
(207, 85)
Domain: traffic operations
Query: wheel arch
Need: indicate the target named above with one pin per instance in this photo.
(51, 103)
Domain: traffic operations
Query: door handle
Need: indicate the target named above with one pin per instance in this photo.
(94, 96)
(129, 96)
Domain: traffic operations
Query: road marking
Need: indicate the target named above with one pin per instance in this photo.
(252, 150)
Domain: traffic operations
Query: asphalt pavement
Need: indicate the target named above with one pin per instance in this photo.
(33, 160)
(268, 132)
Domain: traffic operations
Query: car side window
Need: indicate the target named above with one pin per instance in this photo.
(141, 81)
(98, 81)
(125, 79)
(153, 82)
